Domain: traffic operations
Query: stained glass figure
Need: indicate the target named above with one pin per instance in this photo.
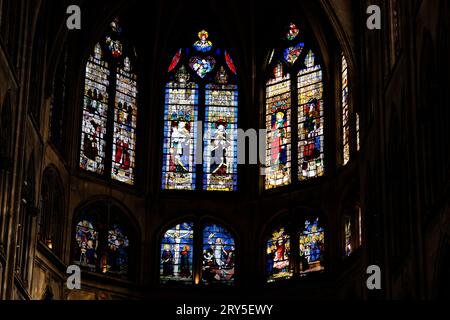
(230, 63)
(180, 131)
(345, 112)
(291, 54)
(115, 47)
(278, 124)
(115, 26)
(293, 32)
(218, 255)
(203, 45)
(219, 101)
(278, 256)
(220, 138)
(86, 236)
(175, 60)
(102, 67)
(117, 256)
(125, 125)
(311, 120)
(202, 65)
(95, 111)
(177, 254)
(312, 246)
(348, 235)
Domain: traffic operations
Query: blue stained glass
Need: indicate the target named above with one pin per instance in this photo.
(202, 66)
(291, 54)
(86, 235)
(220, 138)
(203, 45)
(218, 255)
(118, 243)
(312, 246)
(177, 254)
(180, 132)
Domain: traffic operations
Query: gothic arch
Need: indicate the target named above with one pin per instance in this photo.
(52, 215)
(219, 233)
(105, 239)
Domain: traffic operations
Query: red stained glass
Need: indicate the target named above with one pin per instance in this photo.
(175, 61)
(230, 63)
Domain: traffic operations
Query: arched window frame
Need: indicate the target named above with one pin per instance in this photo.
(201, 101)
(348, 114)
(198, 228)
(104, 215)
(51, 217)
(294, 224)
(352, 226)
(292, 73)
(117, 60)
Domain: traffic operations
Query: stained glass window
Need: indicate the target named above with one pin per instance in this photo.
(345, 112)
(95, 113)
(218, 255)
(293, 32)
(125, 125)
(291, 54)
(312, 246)
(311, 120)
(203, 45)
(220, 136)
(175, 60)
(348, 235)
(117, 258)
(278, 256)
(211, 73)
(294, 91)
(230, 63)
(103, 238)
(180, 131)
(177, 254)
(86, 236)
(278, 124)
(110, 87)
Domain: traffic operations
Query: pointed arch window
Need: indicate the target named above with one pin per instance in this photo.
(202, 87)
(294, 113)
(208, 259)
(350, 117)
(108, 137)
(295, 250)
(102, 240)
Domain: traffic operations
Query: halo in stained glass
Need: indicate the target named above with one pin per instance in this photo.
(203, 45)
(312, 246)
(202, 66)
(177, 254)
(218, 255)
(230, 62)
(291, 54)
(86, 236)
(278, 251)
(175, 60)
(293, 32)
